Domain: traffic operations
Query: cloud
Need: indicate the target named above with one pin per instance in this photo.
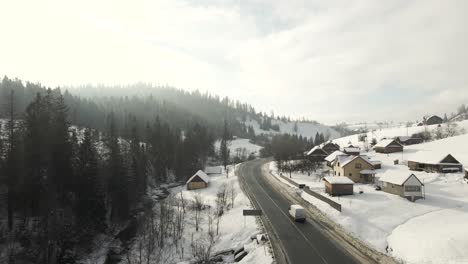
(326, 60)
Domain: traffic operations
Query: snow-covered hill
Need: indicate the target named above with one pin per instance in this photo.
(379, 134)
(306, 129)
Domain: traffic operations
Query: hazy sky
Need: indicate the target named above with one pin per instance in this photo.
(326, 60)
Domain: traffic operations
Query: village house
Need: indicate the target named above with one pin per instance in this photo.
(407, 140)
(214, 170)
(402, 184)
(352, 150)
(388, 146)
(330, 158)
(336, 186)
(317, 154)
(434, 120)
(330, 147)
(357, 168)
(426, 161)
(198, 181)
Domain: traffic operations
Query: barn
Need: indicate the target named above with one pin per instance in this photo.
(336, 186)
(434, 120)
(407, 140)
(317, 154)
(198, 181)
(330, 147)
(214, 170)
(388, 146)
(425, 161)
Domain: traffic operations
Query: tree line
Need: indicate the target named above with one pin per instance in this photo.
(65, 184)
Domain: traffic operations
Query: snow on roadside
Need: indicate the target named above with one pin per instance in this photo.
(235, 230)
(396, 226)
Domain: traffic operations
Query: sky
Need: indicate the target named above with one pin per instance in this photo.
(331, 61)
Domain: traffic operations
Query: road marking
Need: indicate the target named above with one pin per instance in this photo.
(290, 221)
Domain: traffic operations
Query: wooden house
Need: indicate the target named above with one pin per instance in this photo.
(402, 184)
(198, 181)
(388, 146)
(330, 147)
(336, 186)
(357, 168)
(434, 120)
(425, 161)
(352, 150)
(407, 140)
(317, 154)
(330, 158)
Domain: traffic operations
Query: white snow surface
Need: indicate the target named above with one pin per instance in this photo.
(235, 230)
(241, 143)
(430, 230)
(306, 129)
(338, 180)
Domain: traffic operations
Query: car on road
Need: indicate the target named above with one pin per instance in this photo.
(297, 212)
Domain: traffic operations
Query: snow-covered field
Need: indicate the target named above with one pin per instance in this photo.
(305, 129)
(379, 134)
(235, 230)
(240, 143)
(433, 230)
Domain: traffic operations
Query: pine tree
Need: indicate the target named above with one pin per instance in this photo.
(90, 210)
(224, 146)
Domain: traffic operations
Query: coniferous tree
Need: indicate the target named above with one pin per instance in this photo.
(90, 209)
(224, 146)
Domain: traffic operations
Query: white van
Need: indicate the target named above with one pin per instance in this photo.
(297, 212)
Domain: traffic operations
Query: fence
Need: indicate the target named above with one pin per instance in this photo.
(306, 189)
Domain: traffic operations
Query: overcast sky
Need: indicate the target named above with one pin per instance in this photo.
(326, 60)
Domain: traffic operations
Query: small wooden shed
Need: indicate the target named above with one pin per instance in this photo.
(338, 185)
(198, 181)
(402, 184)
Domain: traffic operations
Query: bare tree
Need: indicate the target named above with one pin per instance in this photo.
(197, 206)
(232, 193)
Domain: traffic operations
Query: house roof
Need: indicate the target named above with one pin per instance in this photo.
(338, 180)
(345, 160)
(332, 156)
(384, 143)
(315, 149)
(352, 149)
(200, 174)
(214, 170)
(397, 177)
(429, 157)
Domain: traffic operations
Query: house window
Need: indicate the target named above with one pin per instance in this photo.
(350, 175)
(358, 165)
(335, 173)
(339, 173)
(413, 188)
(338, 164)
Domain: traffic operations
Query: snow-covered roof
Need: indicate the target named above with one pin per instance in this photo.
(375, 162)
(332, 156)
(428, 157)
(344, 160)
(397, 177)
(214, 170)
(338, 180)
(384, 143)
(315, 149)
(200, 174)
(352, 149)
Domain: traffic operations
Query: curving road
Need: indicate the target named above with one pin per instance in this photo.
(298, 242)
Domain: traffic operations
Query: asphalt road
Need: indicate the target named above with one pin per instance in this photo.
(301, 242)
